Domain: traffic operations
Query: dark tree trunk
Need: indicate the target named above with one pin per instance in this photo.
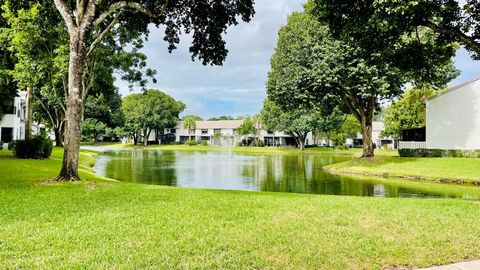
(29, 115)
(366, 123)
(135, 141)
(58, 137)
(74, 115)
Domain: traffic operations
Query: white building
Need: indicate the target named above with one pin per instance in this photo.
(453, 118)
(12, 124)
(377, 128)
(224, 132)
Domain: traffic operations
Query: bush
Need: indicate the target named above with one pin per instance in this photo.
(191, 142)
(1, 145)
(11, 145)
(205, 143)
(40, 146)
(341, 147)
(438, 153)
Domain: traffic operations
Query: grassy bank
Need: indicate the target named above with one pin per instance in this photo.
(107, 224)
(456, 170)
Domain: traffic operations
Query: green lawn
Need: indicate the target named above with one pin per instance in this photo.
(102, 224)
(436, 169)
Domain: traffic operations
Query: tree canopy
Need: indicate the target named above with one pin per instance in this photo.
(313, 68)
(150, 111)
(407, 112)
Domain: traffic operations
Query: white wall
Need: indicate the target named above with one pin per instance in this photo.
(453, 118)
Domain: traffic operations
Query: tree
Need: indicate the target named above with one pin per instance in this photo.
(312, 68)
(191, 124)
(297, 122)
(350, 127)
(407, 112)
(196, 117)
(247, 127)
(93, 128)
(148, 111)
(89, 21)
(453, 21)
(223, 117)
(329, 127)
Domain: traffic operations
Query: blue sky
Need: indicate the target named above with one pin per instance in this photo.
(237, 87)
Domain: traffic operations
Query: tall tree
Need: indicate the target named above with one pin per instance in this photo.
(89, 21)
(312, 68)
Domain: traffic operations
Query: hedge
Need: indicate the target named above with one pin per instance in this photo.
(38, 147)
(438, 153)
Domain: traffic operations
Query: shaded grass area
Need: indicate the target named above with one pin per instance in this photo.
(107, 224)
(436, 169)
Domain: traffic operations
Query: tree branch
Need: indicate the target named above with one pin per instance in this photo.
(129, 5)
(455, 32)
(101, 36)
(66, 14)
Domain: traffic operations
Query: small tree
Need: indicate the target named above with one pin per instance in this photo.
(247, 128)
(191, 124)
(93, 129)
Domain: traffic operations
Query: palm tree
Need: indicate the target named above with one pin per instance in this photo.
(190, 123)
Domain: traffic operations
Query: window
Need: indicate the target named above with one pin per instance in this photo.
(191, 131)
(173, 131)
(204, 131)
(7, 135)
(10, 107)
(217, 131)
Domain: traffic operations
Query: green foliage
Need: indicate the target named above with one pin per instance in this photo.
(205, 143)
(223, 117)
(1, 145)
(191, 142)
(189, 123)
(152, 110)
(247, 127)
(438, 153)
(93, 128)
(351, 127)
(390, 20)
(407, 112)
(195, 117)
(40, 146)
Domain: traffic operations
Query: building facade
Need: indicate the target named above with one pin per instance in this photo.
(453, 118)
(224, 133)
(12, 124)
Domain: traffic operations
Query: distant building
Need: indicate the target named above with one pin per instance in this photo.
(12, 124)
(453, 118)
(224, 133)
(377, 140)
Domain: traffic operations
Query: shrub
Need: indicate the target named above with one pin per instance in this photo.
(205, 143)
(11, 145)
(438, 153)
(191, 142)
(341, 147)
(40, 146)
(1, 145)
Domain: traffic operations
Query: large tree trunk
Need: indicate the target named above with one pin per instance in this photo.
(29, 114)
(74, 115)
(367, 137)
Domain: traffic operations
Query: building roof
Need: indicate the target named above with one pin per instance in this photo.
(233, 124)
(455, 88)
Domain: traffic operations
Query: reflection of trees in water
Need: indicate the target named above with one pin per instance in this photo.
(150, 167)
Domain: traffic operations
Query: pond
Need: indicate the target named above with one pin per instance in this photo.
(296, 173)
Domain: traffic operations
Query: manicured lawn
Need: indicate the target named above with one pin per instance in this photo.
(106, 224)
(437, 169)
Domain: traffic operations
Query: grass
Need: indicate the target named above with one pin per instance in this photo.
(462, 170)
(99, 223)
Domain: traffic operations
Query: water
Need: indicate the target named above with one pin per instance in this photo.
(296, 173)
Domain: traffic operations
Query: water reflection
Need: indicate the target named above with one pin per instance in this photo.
(297, 173)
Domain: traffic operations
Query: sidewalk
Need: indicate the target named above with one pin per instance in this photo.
(472, 265)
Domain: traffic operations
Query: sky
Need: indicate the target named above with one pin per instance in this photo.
(238, 87)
